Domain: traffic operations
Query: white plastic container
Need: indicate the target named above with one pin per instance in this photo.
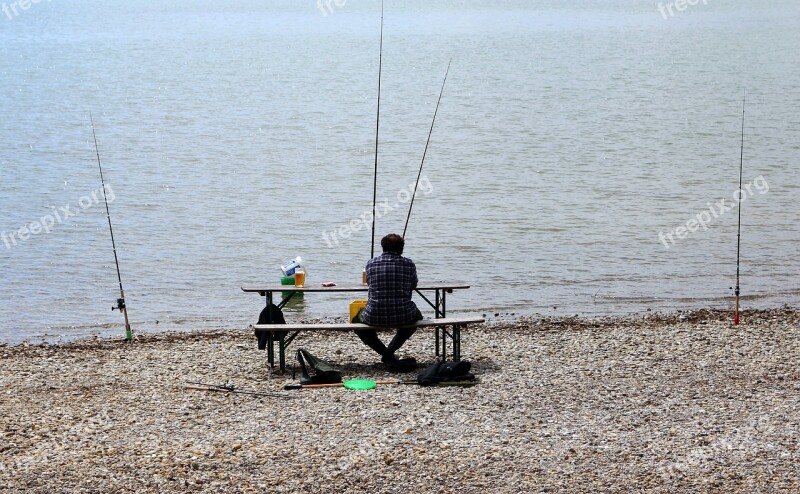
(291, 265)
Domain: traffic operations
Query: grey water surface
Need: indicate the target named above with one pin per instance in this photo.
(584, 160)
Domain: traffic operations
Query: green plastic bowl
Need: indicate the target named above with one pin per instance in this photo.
(359, 384)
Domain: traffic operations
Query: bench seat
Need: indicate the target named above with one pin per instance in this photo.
(350, 326)
(280, 333)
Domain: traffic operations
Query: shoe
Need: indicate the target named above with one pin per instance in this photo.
(393, 364)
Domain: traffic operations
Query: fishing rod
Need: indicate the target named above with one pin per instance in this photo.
(419, 173)
(739, 227)
(364, 384)
(377, 127)
(230, 388)
(121, 300)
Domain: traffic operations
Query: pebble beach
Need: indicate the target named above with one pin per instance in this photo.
(684, 402)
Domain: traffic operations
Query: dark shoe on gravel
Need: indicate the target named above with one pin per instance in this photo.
(393, 364)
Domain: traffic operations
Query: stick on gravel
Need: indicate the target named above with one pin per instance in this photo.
(230, 388)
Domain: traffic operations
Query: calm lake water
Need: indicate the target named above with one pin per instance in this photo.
(577, 149)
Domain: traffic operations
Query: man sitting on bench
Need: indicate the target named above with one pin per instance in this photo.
(391, 278)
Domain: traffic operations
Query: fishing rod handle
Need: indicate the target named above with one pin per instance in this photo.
(202, 388)
(313, 386)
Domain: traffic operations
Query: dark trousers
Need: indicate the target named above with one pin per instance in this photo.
(370, 337)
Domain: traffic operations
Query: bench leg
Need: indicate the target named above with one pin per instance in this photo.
(456, 343)
(282, 350)
(444, 342)
(271, 350)
(455, 336)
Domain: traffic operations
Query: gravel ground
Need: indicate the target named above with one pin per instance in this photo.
(683, 402)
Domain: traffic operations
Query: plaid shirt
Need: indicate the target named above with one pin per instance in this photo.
(391, 278)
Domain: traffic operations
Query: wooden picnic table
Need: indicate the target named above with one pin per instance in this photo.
(440, 290)
(438, 304)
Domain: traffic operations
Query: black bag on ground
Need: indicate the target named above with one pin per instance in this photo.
(444, 372)
(324, 373)
(272, 314)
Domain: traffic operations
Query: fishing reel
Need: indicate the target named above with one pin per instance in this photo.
(120, 305)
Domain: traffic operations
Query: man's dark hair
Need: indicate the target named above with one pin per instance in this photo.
(393, 243)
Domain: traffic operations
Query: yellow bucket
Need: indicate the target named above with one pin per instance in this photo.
(355, 306)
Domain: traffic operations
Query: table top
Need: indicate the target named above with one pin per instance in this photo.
(316, 287)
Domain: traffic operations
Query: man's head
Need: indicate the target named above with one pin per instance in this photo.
(393, 243)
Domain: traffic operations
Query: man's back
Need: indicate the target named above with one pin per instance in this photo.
(392, 279)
